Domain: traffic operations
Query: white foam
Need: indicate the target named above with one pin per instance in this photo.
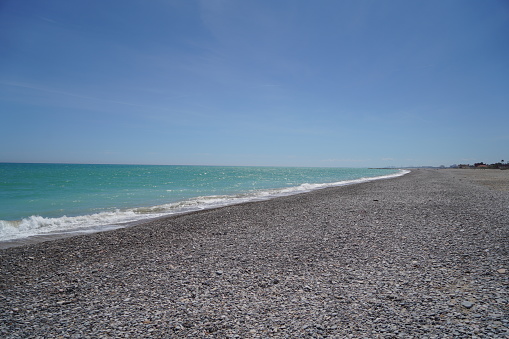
(37, 225)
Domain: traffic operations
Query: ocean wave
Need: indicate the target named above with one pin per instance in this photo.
(38, 225)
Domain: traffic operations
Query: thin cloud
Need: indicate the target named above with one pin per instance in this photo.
(47, 20)
(74, 95)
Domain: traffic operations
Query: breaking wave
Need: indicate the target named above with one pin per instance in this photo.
(38, 225)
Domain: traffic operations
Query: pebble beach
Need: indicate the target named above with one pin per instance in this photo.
(425, 255)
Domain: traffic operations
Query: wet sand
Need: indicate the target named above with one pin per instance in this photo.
(423, 255)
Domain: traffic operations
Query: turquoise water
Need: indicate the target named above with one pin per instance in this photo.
(46, 198)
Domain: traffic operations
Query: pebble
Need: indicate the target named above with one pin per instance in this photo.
(331, 263)
(467, 304)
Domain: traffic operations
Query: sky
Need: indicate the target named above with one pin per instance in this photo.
(357, 83)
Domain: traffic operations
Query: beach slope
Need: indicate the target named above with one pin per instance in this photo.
(421, 255)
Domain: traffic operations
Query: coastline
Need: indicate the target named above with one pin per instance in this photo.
(424, 254)
(34, 229)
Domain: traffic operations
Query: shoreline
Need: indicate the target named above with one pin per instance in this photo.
(424, 254)
(234, 199)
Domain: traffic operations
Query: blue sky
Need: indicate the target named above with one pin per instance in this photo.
(241, 82)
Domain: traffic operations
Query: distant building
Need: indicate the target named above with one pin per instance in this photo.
(464, 166)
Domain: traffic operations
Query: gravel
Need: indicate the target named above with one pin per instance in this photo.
(424, 255)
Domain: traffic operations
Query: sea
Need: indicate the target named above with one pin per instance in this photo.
(61, 199)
